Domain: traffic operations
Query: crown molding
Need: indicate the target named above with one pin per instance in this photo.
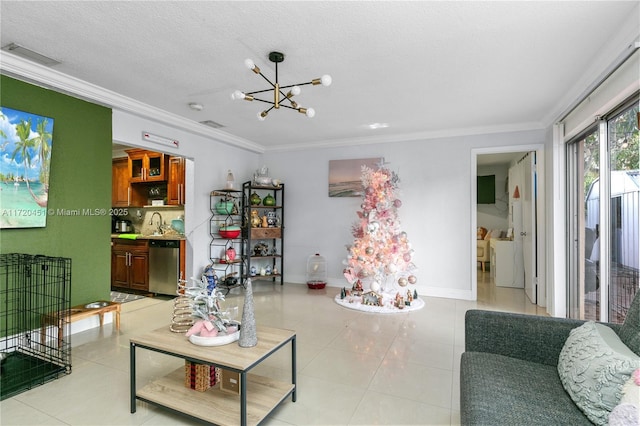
(409, 137)
(30, 72)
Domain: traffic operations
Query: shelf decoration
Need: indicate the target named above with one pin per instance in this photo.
(379, 265)
(214, 327)
(248, 332)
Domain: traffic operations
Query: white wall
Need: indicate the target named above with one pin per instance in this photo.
(436, 212)
(207, 170)
(435, 190)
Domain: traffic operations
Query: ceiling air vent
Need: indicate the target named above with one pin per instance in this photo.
(29, 54)
(211, 124)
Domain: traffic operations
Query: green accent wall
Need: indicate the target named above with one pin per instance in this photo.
(80, 179)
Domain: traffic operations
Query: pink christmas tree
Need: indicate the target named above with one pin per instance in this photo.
(380, 257)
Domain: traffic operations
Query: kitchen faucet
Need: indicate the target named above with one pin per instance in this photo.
(159, 223)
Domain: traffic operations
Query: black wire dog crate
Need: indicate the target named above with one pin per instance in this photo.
(35, 291)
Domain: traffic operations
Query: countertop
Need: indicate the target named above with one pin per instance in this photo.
(167, 236)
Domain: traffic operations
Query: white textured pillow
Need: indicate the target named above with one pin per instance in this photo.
(593, 366)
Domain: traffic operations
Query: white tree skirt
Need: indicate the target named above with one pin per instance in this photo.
(354, 302)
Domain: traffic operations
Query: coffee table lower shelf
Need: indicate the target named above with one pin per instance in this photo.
(214, 405)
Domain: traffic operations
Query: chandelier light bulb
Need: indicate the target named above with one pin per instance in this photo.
(237, 95)
(310, 112)
(326, 80)
(295, 90)
(262, 115)
(249, 64)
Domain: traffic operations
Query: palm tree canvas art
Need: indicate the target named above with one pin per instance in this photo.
(25, 152)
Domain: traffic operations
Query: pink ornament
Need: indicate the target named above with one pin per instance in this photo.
(397, 203)
(407, 257)
(412, 279)
(402, 281)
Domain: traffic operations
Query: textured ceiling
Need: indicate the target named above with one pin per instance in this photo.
(421, 67)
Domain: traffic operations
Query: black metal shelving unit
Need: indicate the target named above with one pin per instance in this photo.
(271, 235)
(223, 267)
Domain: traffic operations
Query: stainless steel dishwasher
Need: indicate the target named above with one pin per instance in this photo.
(164, 258)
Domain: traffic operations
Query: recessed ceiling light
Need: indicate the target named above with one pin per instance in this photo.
(23, 52)
(374, 126)
(196, 106)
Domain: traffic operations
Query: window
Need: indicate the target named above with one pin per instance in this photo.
(603, 187)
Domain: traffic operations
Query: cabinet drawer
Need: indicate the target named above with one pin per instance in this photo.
(258, 233)
(130, 245)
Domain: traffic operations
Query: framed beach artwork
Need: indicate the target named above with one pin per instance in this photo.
(26, 140)
(345, 175)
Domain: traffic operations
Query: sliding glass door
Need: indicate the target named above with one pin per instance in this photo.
(584, 270)
(624, 208)
(603, 204)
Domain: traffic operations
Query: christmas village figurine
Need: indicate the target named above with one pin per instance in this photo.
(372, 298)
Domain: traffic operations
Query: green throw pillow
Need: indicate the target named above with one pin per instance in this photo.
(593, 366)
(630, 330)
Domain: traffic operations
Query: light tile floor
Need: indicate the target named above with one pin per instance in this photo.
(354, 368)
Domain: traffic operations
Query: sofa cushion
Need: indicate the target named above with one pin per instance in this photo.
(630, 330)
(594, 365)
(500, 390)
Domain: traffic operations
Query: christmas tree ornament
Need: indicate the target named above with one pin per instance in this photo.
(412, 279)
(369, 251)
(402, 281)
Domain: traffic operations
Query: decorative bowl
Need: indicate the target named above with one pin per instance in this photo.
(224, 207)
(219, 340)
(96, 305)
(231, 231)
(316, 285)
(262, 180)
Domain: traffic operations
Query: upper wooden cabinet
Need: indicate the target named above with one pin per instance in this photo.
(175, 181)
(120, 191)
(147, 166)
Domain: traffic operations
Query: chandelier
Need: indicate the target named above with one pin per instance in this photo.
(281, 96)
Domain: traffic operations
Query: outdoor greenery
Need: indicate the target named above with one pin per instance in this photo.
(624, 147)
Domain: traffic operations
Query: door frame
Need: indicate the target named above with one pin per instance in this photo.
(540, 212)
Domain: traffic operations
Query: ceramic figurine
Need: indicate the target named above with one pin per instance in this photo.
(265, 223)
(255, 219)
(271, 219)
(267, 270)
(253, 271)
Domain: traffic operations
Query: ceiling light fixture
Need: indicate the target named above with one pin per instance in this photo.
(30, 54)
(196, 106)
(281, 96)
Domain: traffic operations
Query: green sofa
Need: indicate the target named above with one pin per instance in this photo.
(509, 373)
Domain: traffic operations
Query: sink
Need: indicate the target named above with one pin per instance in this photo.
(96, 305)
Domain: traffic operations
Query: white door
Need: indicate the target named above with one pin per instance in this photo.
(529, 226)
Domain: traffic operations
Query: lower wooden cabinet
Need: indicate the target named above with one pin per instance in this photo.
(130, 264)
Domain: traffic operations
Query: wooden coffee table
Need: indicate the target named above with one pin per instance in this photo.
(258, 395)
